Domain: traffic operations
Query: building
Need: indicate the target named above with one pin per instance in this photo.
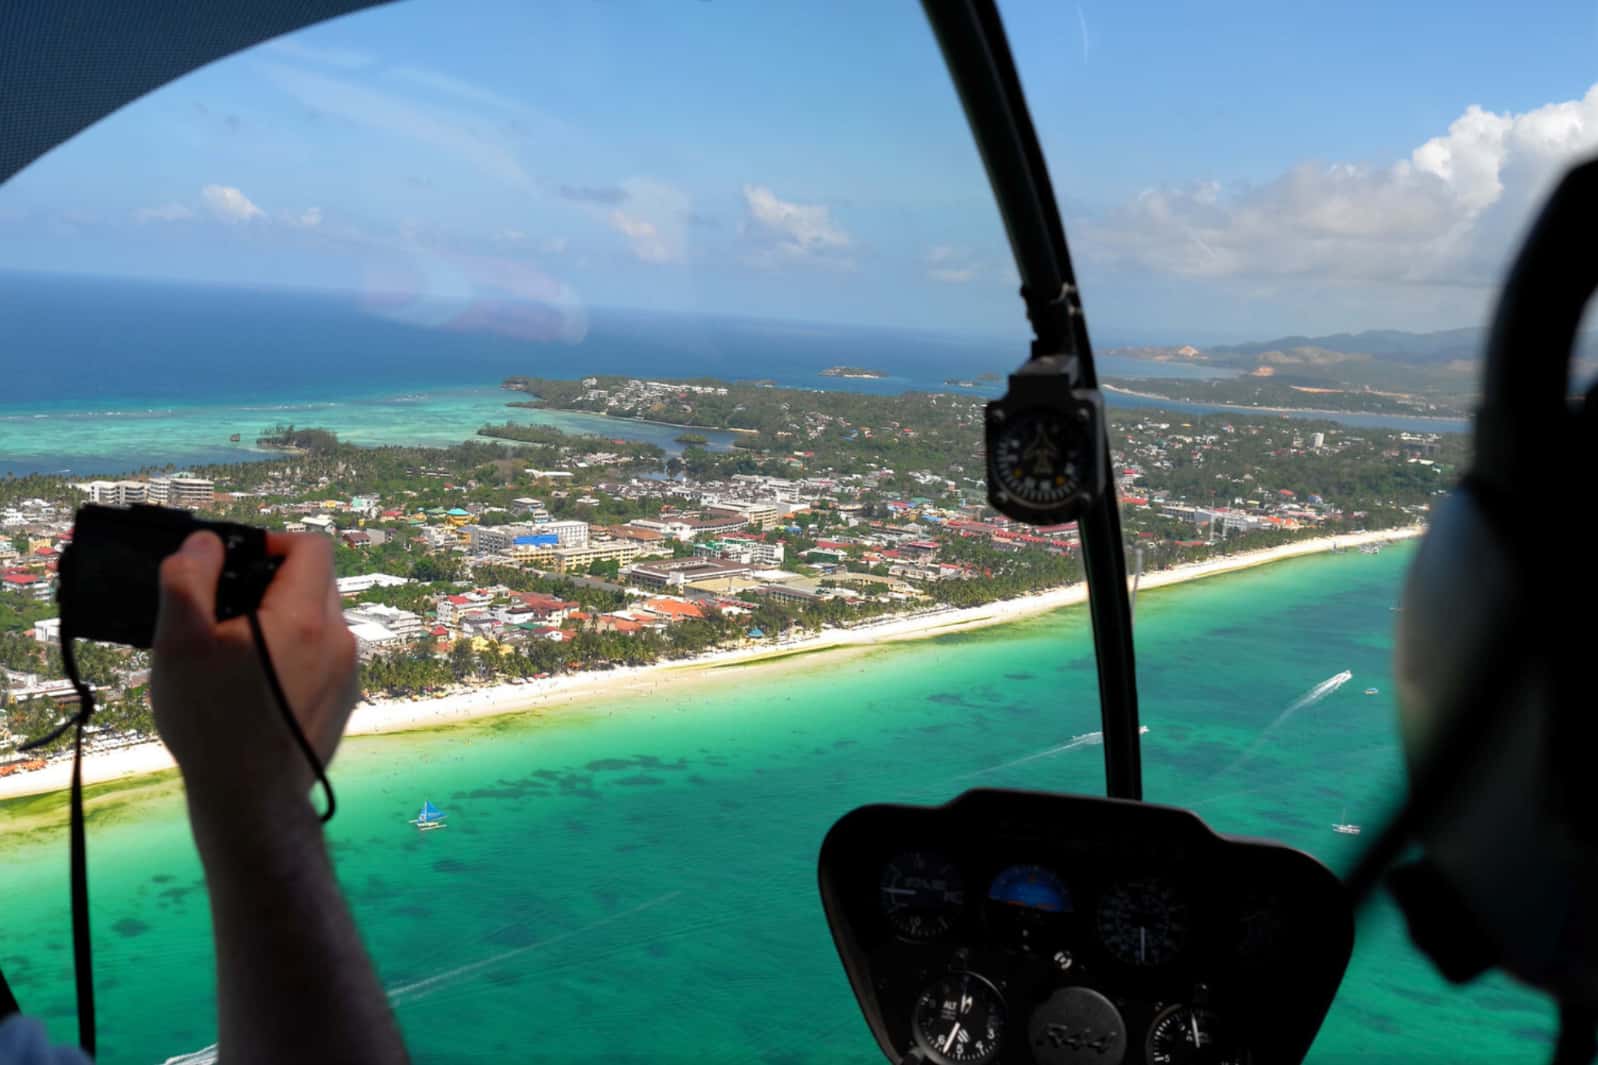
(548, 609)
(755, 515)
(665, 528)
(570, 533)
(451, 607)
(1317, 441)
(754, 552)
(713, 524)
(182, 491)
(494, 539)
(672, 610)
(26, 584)
(372, 638)
(402, 623)
(578, 559)
(116, 493)
(525, 539)
(367, 581)
(47, 630)
(319, 523)
(678, 573)
(782, 593)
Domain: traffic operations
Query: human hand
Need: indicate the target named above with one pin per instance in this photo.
(212, 702)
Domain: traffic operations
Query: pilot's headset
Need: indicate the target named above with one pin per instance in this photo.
(1497, 656)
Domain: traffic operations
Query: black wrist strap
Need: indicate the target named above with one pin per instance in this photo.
(82, 960)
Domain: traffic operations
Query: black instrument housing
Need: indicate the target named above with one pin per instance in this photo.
(1272, 987)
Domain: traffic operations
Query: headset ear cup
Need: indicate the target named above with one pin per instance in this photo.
(1460, 595)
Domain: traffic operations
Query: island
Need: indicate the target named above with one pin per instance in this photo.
(527, 555)
(852, 371)
(695, 439)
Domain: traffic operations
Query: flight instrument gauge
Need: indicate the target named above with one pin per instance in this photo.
(1035, 458)
(1045, 444)
(921, 894)
(1143, 922)
(1192, 1035)
(960, 1020)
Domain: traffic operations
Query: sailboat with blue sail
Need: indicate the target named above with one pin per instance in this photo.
(430, 818)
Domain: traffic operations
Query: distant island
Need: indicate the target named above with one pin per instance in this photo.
(973, 382)
(692, 438)
(852, 371)
(297, 441)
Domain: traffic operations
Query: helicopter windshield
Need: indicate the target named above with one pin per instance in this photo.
(635, 361)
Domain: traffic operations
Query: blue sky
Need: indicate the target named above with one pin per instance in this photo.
(1227, 171)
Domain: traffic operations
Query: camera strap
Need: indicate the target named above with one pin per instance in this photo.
(82, 962)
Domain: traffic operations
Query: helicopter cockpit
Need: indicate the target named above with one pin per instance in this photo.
(1007, 926)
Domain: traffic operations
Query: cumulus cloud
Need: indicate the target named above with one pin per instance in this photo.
(951, 265)
(652, 221)
(229, 204)
(171, 212)
(787, 232)
(1446, 214)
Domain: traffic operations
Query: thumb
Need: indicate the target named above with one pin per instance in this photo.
(188, 589)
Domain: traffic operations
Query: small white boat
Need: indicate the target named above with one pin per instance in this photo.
(430, 818)
(1372, 691)
(1345, 827)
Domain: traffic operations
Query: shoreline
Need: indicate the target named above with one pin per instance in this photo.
(405, 715)
(1233, 408)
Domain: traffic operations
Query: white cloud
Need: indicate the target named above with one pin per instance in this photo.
(786, 232)
(453, 132)
(452, 86)
(1448, 214)
(229, 204)
(171, 212)
(951, 265)
(310, 218)
(653, 220)
(554, 245)
(344, 58)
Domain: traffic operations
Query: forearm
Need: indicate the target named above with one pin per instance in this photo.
(294, 982)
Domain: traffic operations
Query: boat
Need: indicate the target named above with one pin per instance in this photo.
(1345, 827)
(430, 818)
(1371, 691)
(1372, 549)
(233, 439)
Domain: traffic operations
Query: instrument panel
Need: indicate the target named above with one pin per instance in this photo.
(1021, 927)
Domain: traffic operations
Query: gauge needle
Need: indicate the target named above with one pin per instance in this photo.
(898, 891)
(949, 1042)
(1196, 1040)
(1142, 942)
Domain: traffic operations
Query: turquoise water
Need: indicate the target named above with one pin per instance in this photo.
(82, 442)
(634, 881)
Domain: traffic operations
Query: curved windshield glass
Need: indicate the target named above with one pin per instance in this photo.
(634, 361)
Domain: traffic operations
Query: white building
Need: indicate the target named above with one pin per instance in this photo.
(357, 585)
(182, 490)
(47, 630)
(404, 624)
(570, 533)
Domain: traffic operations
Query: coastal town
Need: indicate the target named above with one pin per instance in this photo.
(530, 554)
